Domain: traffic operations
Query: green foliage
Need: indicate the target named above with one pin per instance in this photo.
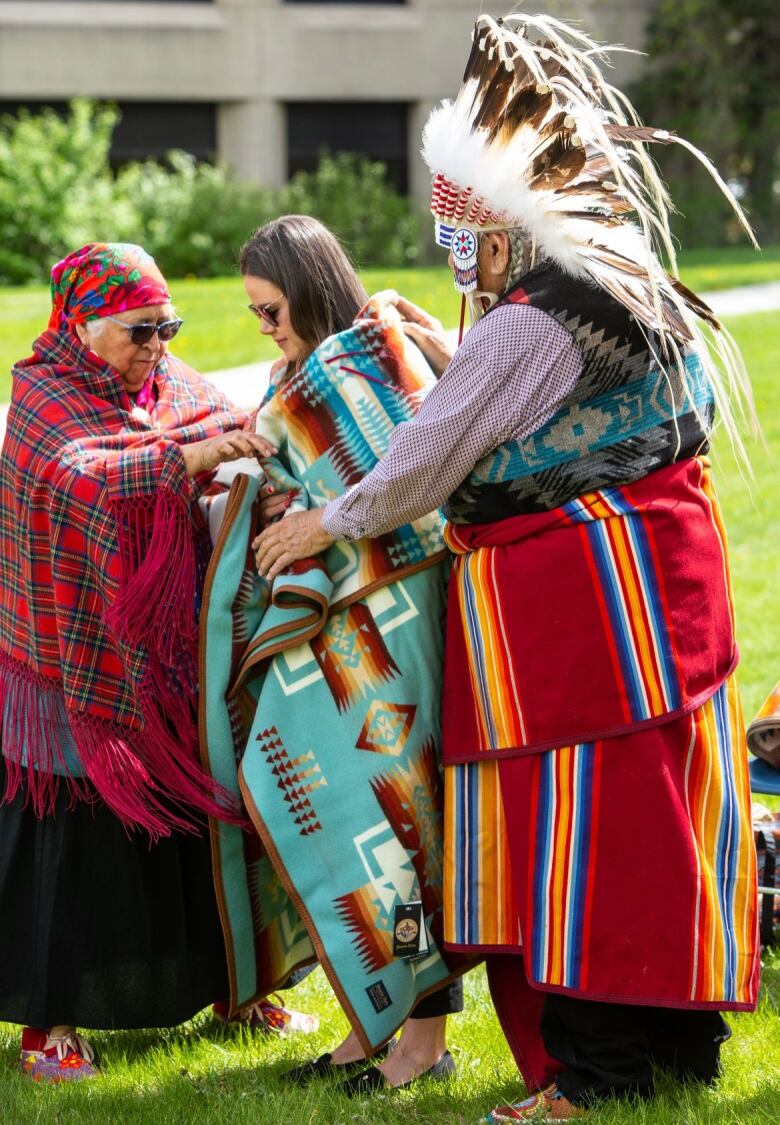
(56, 188)
(57, 191)
(193, 218)
(350, 194)
(713, 76)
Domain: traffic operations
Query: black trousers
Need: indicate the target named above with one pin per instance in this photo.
(611, 1048)
(444, 1002)
(102, 929)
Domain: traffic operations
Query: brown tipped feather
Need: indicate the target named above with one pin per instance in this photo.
(560, 123)
(639, 133)
(593, 216)
(695, 303)
(619, 205)
(643, 309)
(585, 187)
(620, 262)
(552, 65)
(672, 318)
(474, 63)
(596, 190)
(526, 108)
(522, 74)
(598, 165)
(494, 98)
(557, 163)
(595, 187)
(480, 67)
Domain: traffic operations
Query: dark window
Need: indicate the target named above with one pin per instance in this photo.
(151, 128)
(377, 129)
(179, 1)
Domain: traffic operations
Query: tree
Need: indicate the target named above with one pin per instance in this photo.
(713, 75)
(56, 187)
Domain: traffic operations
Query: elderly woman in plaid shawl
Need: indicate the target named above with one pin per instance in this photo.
(109, 442)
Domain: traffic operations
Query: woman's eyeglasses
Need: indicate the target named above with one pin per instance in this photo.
(142, 333)
(263, 312)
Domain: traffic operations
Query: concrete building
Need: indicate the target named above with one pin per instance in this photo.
(264, 84)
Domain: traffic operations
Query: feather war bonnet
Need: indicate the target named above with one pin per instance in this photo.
(537, 139)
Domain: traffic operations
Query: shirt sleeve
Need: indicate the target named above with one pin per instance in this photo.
(506, 380)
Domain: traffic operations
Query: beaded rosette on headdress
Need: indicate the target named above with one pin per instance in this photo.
(459, 218)
(538, 142)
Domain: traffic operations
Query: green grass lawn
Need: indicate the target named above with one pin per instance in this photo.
(220, 332)
(728, 268)
(752, 515)
(201, 1074)
(198, 1073)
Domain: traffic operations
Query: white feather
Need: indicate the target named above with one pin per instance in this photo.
(498, 174)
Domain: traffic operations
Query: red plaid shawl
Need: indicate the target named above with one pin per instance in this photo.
(98, 582)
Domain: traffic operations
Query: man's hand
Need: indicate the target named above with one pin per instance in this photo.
(427, 334)
(298, 536)
(203, 456)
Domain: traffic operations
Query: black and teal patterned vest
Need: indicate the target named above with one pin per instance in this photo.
(626, 416)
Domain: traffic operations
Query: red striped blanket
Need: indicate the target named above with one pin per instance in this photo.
(607, 615)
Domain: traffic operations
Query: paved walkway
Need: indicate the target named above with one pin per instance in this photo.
(246, 385)
(746, 299)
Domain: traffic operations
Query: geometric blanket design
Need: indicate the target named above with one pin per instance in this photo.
(352, 655)
(320, 702)
(386, 727)
(297, 778)
(343, 788)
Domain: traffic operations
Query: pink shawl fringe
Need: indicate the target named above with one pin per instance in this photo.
(149, 776)
(155, 605)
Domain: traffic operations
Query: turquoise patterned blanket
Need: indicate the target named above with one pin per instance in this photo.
(320, 700)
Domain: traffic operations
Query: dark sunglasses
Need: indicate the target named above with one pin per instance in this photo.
(142, 333)
(263, 312)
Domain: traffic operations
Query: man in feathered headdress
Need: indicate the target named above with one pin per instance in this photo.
(597, 803)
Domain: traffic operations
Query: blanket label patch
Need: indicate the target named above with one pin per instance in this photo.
(379, 996)
(410, 937)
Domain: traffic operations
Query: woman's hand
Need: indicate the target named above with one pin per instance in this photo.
(203, 456)
(274, 504)
(427, 334)
(299, 536)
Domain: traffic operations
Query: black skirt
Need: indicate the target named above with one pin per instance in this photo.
(101, 929)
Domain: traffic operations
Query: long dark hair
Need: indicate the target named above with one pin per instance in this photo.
(308, 263)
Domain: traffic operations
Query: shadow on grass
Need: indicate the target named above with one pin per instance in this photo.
(462, 1099)
(135, 1044)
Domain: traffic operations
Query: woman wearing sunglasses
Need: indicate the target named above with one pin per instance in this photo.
(109, 918)
(350, 690)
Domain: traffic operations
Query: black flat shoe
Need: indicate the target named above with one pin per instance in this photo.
(324, 1067)
(372, 1080)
